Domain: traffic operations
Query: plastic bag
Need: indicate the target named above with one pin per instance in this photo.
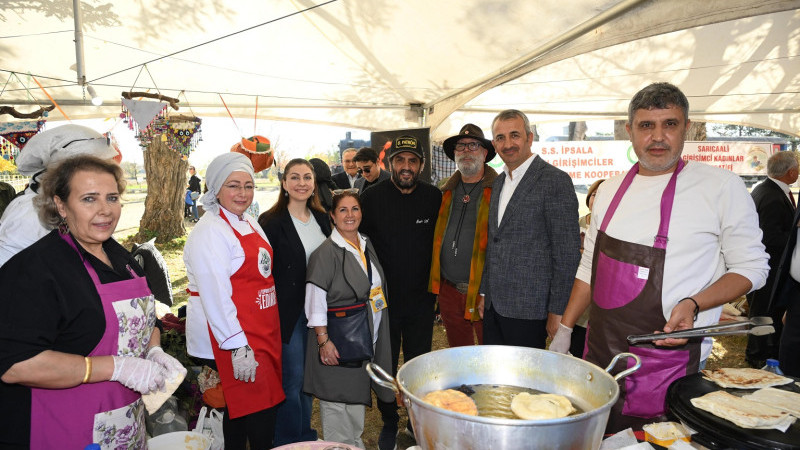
(211, 426)
(166, 419)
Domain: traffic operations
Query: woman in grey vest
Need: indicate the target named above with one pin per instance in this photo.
(344, 271)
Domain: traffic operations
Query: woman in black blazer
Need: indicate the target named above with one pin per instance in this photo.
(295, 226)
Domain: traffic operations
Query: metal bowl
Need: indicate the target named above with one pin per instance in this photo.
(591, 388)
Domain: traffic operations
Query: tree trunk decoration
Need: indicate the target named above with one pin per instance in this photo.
(577, 131)
(620, 133)
(166, 185)
(696, 131)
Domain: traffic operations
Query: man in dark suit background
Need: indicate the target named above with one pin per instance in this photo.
(346, 179)
(775, 205)
(786, 294)
(533, 242)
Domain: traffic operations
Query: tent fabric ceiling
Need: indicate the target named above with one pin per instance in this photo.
(363, 63)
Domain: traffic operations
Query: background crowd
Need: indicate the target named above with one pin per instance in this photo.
(347, 269)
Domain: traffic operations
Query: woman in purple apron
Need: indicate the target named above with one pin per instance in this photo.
(78, 345)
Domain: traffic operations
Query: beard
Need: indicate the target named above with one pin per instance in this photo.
(468, 167)
(403, 184)
(653, 165)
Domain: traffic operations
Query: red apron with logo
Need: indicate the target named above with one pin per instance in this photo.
(257, 312)
(626, 287)
(106, 413)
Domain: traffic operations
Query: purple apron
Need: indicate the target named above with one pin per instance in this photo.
(107, 412)
(626, 299)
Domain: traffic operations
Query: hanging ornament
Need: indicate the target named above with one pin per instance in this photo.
(16, 134)
(258, 149)
(140, 114)
(181, 136)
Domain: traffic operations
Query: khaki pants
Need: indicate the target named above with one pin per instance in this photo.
(342, 423)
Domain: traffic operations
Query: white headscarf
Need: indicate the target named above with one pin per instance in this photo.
(54, 145)
(218, 171)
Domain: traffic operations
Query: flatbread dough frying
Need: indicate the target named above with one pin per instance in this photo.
(541, 406)
(743, 412)
(744, 378)
(452, 400)
(778, 398)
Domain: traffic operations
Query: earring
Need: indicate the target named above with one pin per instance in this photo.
(285, 193)
(63, 227)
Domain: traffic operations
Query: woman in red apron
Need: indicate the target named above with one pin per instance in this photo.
(85, 317)
(232, 315)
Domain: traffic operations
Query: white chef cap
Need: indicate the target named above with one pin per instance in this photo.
(56, 144)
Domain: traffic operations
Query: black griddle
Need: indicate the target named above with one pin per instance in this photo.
(717, 433)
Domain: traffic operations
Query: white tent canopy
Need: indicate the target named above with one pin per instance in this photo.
(380, 64)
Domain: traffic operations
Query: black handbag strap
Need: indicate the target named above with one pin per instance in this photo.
(344, 274)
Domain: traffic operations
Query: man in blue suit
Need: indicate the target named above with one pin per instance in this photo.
(533, 243)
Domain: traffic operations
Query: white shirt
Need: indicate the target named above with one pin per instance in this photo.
(713, 231)
(352, 179)
(20, 226)
(510, 185)
(311, 235)
(212, 254)
(317, 298)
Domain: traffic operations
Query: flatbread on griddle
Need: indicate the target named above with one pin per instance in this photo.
(744, 378)
(452, 400)
(777, 398)
(541, 406)
(743, 412)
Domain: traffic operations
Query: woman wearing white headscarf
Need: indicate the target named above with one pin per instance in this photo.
(20, 226)
(232, 315)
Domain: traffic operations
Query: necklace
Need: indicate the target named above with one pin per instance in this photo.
(465, 199)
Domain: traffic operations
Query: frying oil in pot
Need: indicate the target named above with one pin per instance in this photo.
(494, 400)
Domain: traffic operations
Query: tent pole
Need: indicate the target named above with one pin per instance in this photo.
(79, 64)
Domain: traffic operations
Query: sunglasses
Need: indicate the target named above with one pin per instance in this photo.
(364, 170)
(106, 138)
(342, 191)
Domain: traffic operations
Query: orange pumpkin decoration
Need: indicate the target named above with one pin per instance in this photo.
(258, 150)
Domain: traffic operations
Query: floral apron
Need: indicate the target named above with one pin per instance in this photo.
(107, 412)
(626, 295)
(257, 312)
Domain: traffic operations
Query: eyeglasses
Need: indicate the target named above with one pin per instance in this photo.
(365, 169)
(237, 187)
(342, 191)
(106, 138)
(467, 146)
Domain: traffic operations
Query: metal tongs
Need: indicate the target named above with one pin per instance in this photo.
(760, 326)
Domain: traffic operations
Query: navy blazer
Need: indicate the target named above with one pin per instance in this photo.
(775, 213)
(785, 289)
(341, 180)
(532, 257)
(289, 265)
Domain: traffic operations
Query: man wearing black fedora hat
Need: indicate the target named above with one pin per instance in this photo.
(461, 234)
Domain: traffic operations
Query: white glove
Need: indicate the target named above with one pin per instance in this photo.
(244, 364)
(172, 367)
(561, 341)
(139, 374)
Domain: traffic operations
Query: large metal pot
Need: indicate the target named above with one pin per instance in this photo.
(589, 387)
